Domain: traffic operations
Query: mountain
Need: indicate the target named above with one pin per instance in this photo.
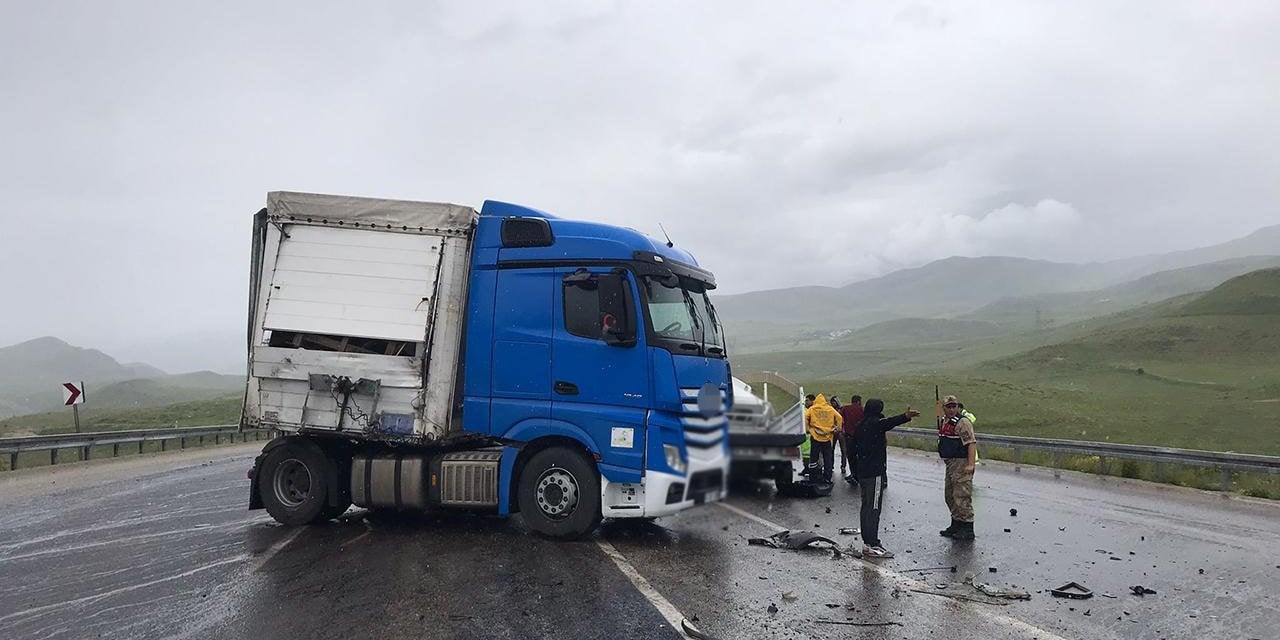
(32, 373)
(959, 287)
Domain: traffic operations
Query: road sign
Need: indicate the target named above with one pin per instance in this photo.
(72, 393)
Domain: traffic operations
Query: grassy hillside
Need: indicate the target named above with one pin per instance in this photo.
(187, 387)
(221, 410)
(1199, 373)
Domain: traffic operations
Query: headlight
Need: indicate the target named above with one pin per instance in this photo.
(672, 453)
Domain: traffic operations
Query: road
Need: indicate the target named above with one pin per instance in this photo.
(163, 547)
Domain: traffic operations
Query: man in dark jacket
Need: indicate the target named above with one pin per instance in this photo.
(851, 414)
(871, 458)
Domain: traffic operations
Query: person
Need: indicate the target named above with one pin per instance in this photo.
(871, 447)
(821, 422)
(851, 414)
(958, 447)
(806, 447)
(837, 443)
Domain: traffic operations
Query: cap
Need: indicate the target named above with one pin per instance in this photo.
(949, 399)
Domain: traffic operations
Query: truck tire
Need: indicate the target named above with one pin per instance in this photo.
(559, 494)
(783, 476)
(292, 483)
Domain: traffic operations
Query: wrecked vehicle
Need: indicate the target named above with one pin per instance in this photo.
(421, 355)
(764, 445)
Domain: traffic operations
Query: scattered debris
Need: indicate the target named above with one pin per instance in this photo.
(828, 509)
(694, 632)
(860, 624)
(1202, 572)
(805, 489)
(995, 592)
(959, 596)
(1139, 590)
(952, 568)
(1107, 595)
(832, 605)
(795, 540)
(1088, 612)
(773, 608)
(1072, 590)
(991, 569)
(849, 531)
(1013, 513)
(790, 596)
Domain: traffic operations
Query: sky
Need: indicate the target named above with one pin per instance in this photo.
(819, 143)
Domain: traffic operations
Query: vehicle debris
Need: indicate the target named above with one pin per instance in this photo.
(995, 592)
(849, 531)
(694, 632)
(1072, 590)
(952, 568)
(859, 624)
(1139, 590)
(790, 596)
(796, 540)
(1013, 513)
(773, 608)
(960, 596)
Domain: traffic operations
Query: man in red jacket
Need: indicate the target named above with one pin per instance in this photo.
(851, 414)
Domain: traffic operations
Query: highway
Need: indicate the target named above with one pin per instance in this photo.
(164, 547)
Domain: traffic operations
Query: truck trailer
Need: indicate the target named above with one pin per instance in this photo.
(421, 356)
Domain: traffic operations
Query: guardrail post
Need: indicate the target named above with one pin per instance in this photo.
(13, 461)
(164, 444)
(1057, 464)
(115, 450)
(1226, 478)
(53, 457)
(1102, 465)
(140, 443)
(1159, 472)
(217, 438)
(87, 451)
(182, 442)
(202, 441)
(1017, 459)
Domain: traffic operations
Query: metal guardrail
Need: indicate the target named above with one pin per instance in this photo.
(1106, 451)
(771, 377)
(85, 442)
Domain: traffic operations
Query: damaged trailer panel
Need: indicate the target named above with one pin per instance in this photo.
(356, 315)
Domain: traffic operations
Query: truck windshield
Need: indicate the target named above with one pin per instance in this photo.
(682, 313)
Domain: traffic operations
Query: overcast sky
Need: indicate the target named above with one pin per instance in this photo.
(781, 143)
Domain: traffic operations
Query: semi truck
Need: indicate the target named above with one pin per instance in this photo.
(423, 356)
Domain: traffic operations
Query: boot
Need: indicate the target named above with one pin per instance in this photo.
(963, 532)
(951, 530)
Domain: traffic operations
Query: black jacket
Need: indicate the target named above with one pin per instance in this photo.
(870, 440)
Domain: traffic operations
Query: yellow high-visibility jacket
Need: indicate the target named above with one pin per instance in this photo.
(821, 420)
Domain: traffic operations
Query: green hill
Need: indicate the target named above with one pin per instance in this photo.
(221, 410)
(1197, 372)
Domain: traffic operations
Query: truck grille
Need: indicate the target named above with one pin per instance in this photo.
(699, 432)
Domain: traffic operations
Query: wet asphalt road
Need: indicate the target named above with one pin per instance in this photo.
(171, 552)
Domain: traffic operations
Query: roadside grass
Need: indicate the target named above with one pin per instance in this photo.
(221, 410)
(44, 459)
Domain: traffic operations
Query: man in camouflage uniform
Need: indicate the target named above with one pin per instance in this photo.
(958, 447)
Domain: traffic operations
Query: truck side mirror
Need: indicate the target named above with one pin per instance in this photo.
(617, 315)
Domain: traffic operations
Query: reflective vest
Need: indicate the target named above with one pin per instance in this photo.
(949, 445)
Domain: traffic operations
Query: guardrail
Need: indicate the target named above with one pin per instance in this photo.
(771, 377)
(85, 442)
(1106, 452)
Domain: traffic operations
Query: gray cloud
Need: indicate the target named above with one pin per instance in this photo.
(783, 145)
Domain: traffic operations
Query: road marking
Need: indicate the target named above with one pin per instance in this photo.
(664, 606)
(1015, 623)
(367, 530)
(274, 549)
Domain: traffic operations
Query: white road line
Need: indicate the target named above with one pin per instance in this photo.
(1014, 623)
(663, 605)
(274, 549)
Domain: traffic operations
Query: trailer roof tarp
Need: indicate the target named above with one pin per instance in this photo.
(396, 215)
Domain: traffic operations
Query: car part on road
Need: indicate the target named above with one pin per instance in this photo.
(849, 531)
(1140, 591)
(1072, 590)
(806, 489)
(795, 540)
(958, 596)
(694, 632)
(859, 624)
(995, 592)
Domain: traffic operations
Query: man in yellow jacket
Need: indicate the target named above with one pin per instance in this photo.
(821, 422)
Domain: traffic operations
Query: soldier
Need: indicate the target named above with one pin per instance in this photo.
(958, 447)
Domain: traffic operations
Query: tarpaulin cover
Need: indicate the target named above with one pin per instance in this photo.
(401, 215)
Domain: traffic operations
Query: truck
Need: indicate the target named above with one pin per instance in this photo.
(763, 444)
(424, 356)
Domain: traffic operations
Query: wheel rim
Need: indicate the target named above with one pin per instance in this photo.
(292, 483)
(557, 493)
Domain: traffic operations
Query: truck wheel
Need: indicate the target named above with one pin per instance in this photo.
(292, 483)
(559, 494)
(783, 476)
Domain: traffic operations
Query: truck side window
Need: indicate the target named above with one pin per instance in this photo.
(582, 309)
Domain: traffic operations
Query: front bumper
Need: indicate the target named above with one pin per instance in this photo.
(661, 494)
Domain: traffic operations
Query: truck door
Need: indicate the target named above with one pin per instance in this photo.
(600, 372)
(522, 330)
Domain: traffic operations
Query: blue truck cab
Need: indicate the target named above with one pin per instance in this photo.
(569, 371)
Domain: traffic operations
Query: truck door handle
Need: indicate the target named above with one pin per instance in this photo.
(566, 388)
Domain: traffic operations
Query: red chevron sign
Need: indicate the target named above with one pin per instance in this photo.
(72, 394)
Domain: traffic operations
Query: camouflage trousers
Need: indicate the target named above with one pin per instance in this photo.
(959, 490)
